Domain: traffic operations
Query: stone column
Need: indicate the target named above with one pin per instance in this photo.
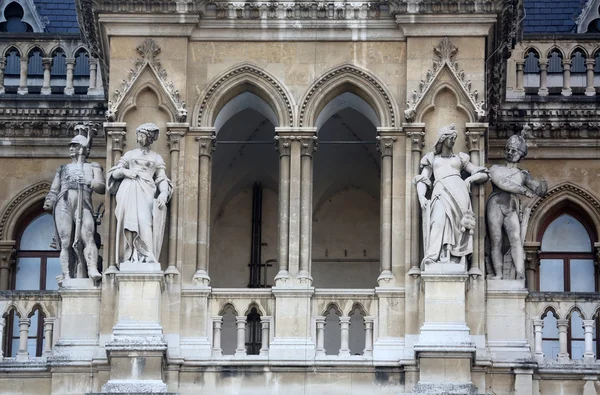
(320, 336)
(48, 330)
(175, 135)
(532, 264)
(115, 143)
(543, 90)
(240, 350)
(2, 68)
(46, 89)
(22, 90)
(368, 351)
(23, 354)
(538, 326)
(523, 381)
(1, 338)
(93, 76)
(345, 336)
(385, 145)
(264, 327)
(588, 327)
(206, 145)
(590, 90)
(308, 146)
(283, 146)
(7, 251)
(475, 136)
(566, 89)
(416, 135)
(217, 351)
(563, 355)
(69, 90)
(520, 68)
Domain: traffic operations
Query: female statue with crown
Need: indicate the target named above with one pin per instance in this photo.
(448, 219)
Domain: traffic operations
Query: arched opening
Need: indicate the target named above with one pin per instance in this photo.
(12, 71)
(13, 13)
(37, 263)
(253, 332)
(245, 166)
(11, 333)
(576, 336)
(58, 73)
(81, 73)
(555, 72)
(550, 341)
(345, 240)
(566, 257)
(578, 71)
(332, 334)
(35, 71)
(35, 336)
(531, 81)
(229, 331)
(357, 331)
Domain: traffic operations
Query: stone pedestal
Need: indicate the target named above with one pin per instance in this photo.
(506, 333)
(137, 347)
(445, 348)
(79, 321)
(293, 339)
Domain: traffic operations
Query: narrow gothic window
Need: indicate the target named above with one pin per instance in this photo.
(13, 13)
(550, 342)
(253, 333)
(566, 258)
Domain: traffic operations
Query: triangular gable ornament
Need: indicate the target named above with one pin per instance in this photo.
(149, 52)
(444, 52)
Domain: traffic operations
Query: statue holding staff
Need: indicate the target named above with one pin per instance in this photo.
(70, 200)
(142, 191)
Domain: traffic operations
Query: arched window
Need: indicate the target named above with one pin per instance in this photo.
(575, 336)
(555, 62)
(81, 73)
(58, 73)
(35, 71)
(333, 338)
(13, 13)
(229, 332)
(35, 335)
(566, 258)
(253, 332)
(532, 62)
(37, 263)
(597, 62)
(550, 342)
(357, 332)
(12, 70)
(578, 62)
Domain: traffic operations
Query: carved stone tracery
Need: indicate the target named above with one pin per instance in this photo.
(444, 59)
(148, 52)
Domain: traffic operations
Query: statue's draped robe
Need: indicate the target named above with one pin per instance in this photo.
(449, 203)
(135, 202)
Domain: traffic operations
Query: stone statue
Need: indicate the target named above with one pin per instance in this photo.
(448, 220)
(142, 191)
(70, 200)
(505, 218)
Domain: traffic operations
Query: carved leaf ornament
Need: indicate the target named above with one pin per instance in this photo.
(444, 53)
(148, 52)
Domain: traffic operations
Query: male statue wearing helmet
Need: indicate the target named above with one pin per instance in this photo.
(70, 200)
(505, 218)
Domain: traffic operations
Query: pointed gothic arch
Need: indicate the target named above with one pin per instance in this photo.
(348, 78)
(28, 200)
(239, 79)
(557, 198)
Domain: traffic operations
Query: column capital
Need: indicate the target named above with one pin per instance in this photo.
(175, 132)
(539, 323)
(344, 319)
(520, 62)
(240, 319)
(206, 144)
(416, 133)
(308, 145)
(543, 64)
(47, 62)
(2, 61)
(588, 324)
(49, 320)
(385, 145)
(474, 135)
(320, 319)
(7, 251)
(117, 131)
(70, 61)
(369, 319)
(24, 322)
(217, 319)
(94, 61)
(265, 318)
(566, 63)
(283, 145)
(562, 325)
(589, 63)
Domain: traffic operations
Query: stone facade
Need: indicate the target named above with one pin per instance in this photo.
(291, 258)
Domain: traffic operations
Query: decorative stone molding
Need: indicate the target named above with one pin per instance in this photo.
(589, 12)
(11, 211)
(297, 10)
(148, 52)
(30, 14)
(444, 58)
(383, 101)
(258, 78)
(442, 7)
(553, 129)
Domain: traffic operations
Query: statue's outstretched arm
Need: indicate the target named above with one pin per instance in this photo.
(505, 182)
(54, 191)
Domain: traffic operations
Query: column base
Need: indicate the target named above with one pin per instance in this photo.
(385, 278)
(543, 92)
(22, 91)
(282, 277)
(566, 92)
(46, 91)
(201, 278)
(69, 91)
(304, 278)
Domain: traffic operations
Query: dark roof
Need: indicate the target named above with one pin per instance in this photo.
(61, 15)
(551, 16)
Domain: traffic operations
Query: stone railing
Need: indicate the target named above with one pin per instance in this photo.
(344, 327)
(17, 308)
(558, 67)
(563, 327)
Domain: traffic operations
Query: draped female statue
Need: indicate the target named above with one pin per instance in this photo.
(448, 220)
(142, 191)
